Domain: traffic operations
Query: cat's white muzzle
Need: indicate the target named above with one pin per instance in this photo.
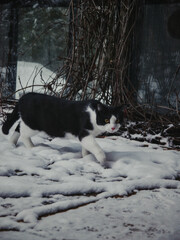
(112, 128)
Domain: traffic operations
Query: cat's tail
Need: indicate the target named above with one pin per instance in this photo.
(11, 119)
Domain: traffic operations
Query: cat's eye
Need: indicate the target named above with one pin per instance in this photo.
(107, 121)
(117, 121)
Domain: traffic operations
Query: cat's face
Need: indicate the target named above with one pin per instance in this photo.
(109, 119)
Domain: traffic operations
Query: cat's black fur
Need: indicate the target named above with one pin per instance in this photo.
(57, 117)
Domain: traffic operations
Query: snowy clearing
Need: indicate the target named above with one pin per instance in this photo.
(51, 192)
(33, 76)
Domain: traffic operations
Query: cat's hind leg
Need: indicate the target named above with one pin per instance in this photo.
(26, 134)
(27, 142)
(14, 138)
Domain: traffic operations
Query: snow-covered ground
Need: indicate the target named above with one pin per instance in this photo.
(33, 76)
(50, 192)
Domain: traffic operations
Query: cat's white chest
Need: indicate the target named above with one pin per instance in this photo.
(97, 129)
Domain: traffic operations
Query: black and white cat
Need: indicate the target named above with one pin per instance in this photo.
(59, 117)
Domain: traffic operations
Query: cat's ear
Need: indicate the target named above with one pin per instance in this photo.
(123, 109)
(99, 107)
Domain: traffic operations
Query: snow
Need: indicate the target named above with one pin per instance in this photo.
(33, 77)
(51, 192)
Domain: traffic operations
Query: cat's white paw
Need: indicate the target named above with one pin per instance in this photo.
(101, 157)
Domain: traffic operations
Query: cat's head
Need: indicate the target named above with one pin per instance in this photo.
(109, 119)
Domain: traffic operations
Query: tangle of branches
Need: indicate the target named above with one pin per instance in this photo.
(99, 56)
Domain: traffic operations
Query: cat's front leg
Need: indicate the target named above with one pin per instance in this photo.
(90, 144)
(84, 152)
